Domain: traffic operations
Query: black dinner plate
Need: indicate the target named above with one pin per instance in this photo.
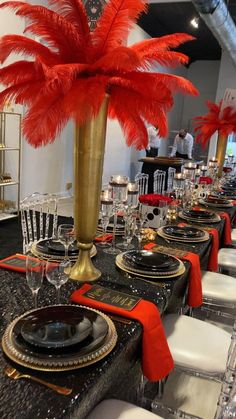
(151, 261)
(216, 200)
(183, 232)
(53, 247)
(231, 194)
(60, 330)
(198, 214)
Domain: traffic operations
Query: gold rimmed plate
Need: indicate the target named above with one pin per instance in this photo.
(204, 237)
(216, 204)
(23, 341)
(57, 258)
(120, 263)
(214, 219)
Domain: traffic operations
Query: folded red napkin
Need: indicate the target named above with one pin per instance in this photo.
(227, 228)
(194, 298)
(104, 238)
(213, 257)
(157, 361)
(153, 199)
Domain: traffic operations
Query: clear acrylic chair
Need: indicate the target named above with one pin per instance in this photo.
(170, 179)
(118, 409)
(142, 180)
(159, 178)
(39, 218)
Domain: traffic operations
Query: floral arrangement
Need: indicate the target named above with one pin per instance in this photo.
(205, 180)
(215, 120)
(72, 69)
(153, 199)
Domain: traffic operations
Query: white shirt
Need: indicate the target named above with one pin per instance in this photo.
(153, 139)
(183, 145)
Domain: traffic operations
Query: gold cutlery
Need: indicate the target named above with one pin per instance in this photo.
(119, 319)
(15, 375)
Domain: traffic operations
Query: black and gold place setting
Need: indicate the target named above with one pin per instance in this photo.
(225, 193)
(187, 234)
(217, 202)
(54, 249)
(150, 265)
(59, 338)
(199, 216)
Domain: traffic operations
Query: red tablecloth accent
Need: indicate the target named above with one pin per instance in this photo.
(105, 237)
(227, 228)
(213, 257)
(157, 361)
(194, 298)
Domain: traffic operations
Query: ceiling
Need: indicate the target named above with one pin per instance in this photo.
(169, 17)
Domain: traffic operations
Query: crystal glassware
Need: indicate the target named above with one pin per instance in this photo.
(66, 236)
(119, 193)
(106, 211)
(58, 274)
(34, 275)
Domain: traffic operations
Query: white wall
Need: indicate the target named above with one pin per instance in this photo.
(227, 79)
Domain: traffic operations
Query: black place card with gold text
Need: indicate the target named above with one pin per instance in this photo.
(114, 298)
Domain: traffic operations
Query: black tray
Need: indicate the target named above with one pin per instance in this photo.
(151, 261)
(59, 330)
(183, 232)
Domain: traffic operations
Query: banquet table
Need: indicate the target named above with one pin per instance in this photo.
(118, 374)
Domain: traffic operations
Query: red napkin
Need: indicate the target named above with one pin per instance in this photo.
(157, 361)
(105, 237)
(213, 257)
(227, 228)
(195, 277)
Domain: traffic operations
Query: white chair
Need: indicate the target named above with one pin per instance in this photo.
(142, 180)
(39, 218)
(227, 260)
(233, 236)
(118, 409)
(218, 289)
(170, 179)
(159, 178)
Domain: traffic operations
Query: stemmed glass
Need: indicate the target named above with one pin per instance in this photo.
(66, 236)
(129, 207)
(58, 274)
(106, 211)
(118, 185)
(34, 275)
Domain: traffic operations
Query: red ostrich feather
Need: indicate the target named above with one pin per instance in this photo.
(215, 120)
(70, 75)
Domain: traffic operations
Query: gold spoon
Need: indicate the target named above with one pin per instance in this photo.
(15, 375)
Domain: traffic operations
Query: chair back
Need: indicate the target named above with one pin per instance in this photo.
(170, 179)
(142, 180)
(159, 178)
(39, 218)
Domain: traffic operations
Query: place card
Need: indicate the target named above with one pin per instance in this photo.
(16, 262)
(114, 298)
(170, 251)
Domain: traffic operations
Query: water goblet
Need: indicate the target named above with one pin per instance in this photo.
(66, 236)
(34, 275)
(58, 274)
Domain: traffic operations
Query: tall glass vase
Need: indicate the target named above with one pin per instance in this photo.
(89, 150)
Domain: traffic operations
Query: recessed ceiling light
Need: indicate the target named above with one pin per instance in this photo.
(195, 22)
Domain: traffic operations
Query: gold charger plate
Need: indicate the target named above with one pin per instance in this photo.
(214, 219)
(184, 239)
(144, 274)
(46, 256)
(21, 357)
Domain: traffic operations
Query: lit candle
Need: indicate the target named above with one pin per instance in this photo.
(191, 166)
(119, 180)
(133, 188)
(105, 197)
(179, 176)
(214, 159)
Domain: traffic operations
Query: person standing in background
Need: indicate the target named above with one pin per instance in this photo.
(183, 145)
(153, 142)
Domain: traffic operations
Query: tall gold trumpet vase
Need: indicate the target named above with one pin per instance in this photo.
(220, 151)
(89, 148)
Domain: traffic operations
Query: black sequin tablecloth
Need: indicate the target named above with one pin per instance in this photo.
(118, 374)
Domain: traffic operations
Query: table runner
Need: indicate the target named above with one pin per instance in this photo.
(157, 361)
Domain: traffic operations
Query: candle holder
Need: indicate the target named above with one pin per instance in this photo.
(203, 169)
(189, 171)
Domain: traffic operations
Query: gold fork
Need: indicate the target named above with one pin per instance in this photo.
(15, 375)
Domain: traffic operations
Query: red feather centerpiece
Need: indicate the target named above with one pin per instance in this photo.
(217, 119)
(83, 75)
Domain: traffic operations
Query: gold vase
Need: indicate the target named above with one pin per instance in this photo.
(89, 147)
(220, 151)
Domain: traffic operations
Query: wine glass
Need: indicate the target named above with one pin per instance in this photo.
(106, 211)
(34, 275)
(66, 235)
(58, 274)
